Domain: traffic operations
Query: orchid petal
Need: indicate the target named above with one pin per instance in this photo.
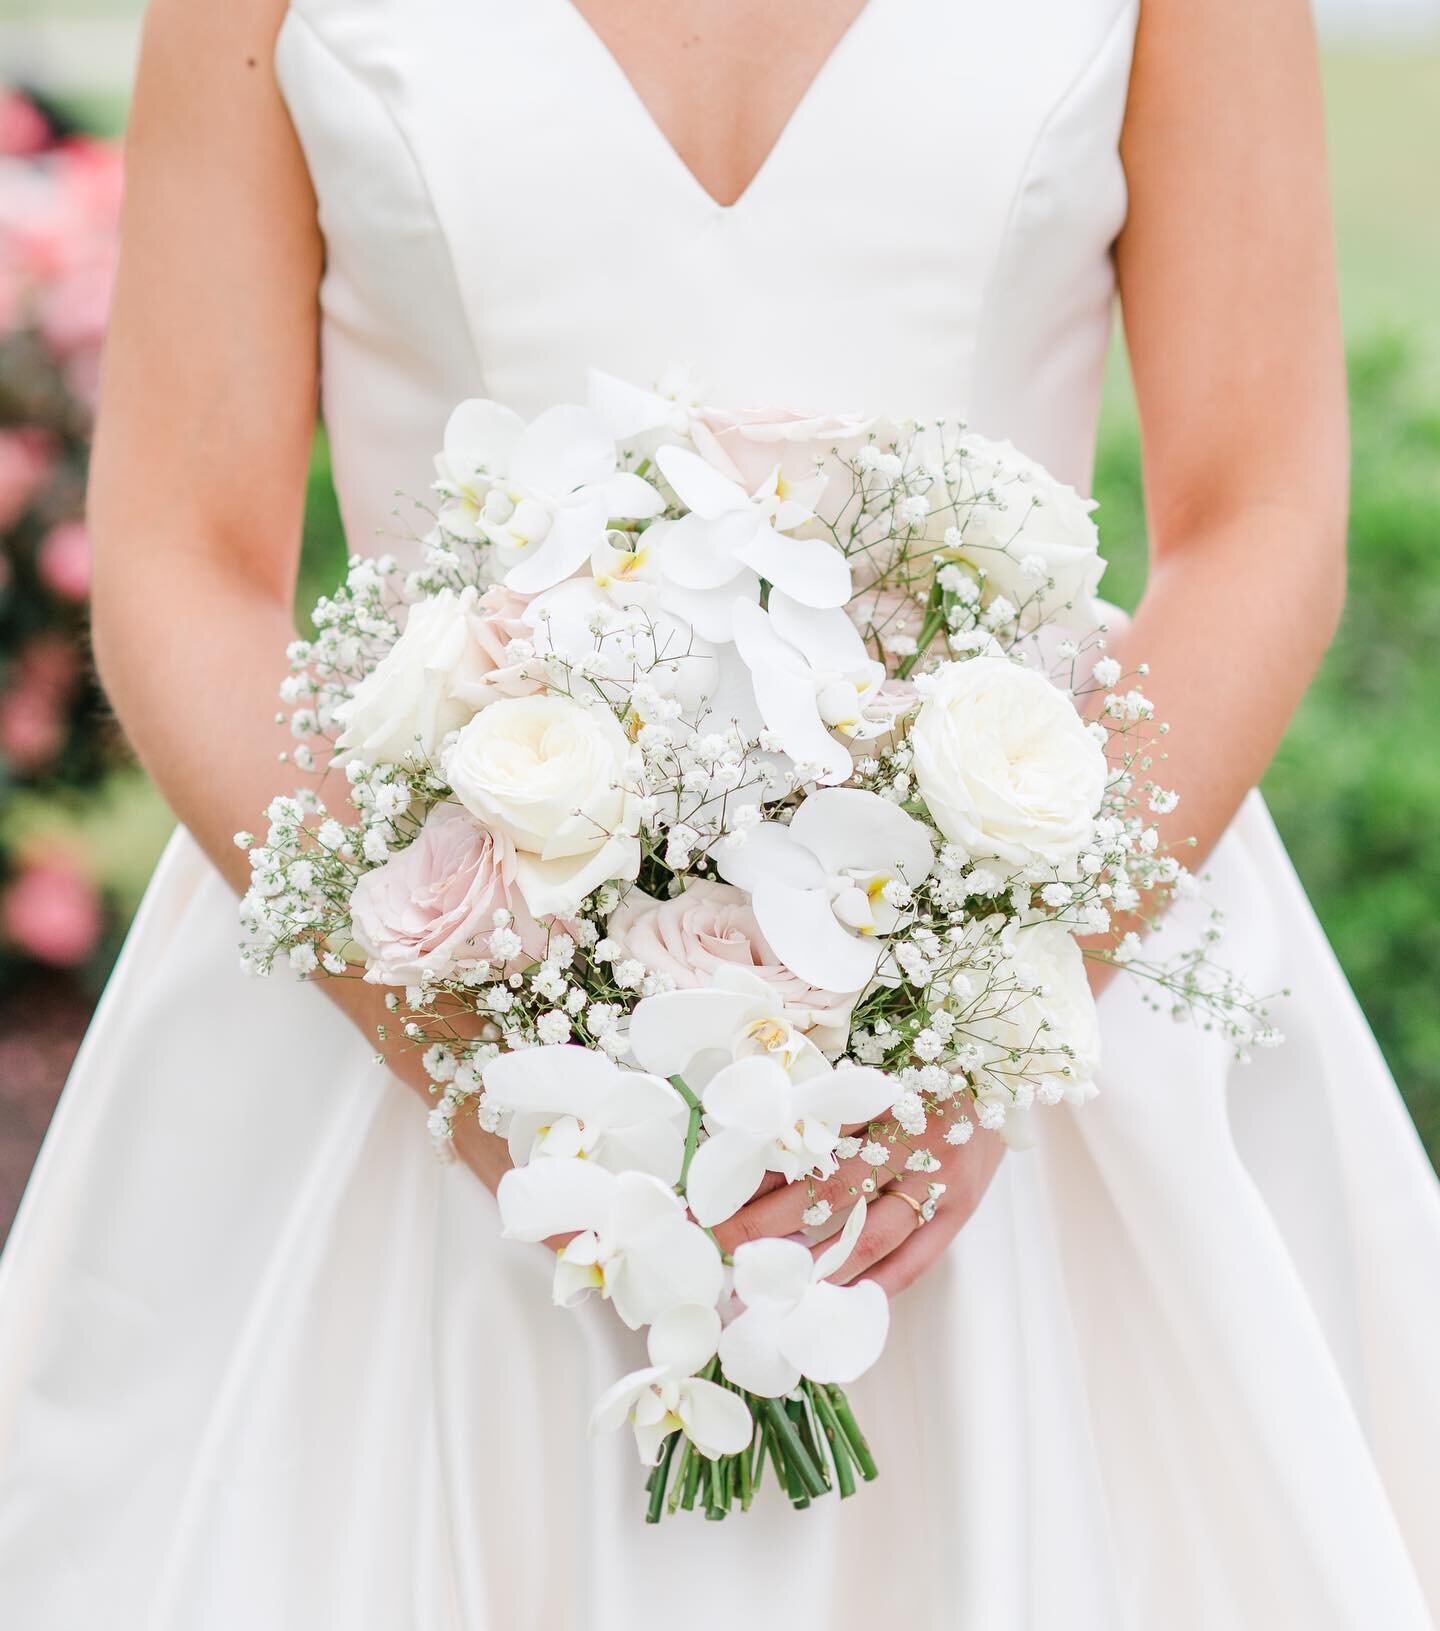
(565, 448)
(649, 1436)
(561, 1139)
(849, 828)
(825, 638)
(667, 1031)
(837, 1253)
(750, 1352)
(711, 612)
(574, 1280)
(631, 498)
(562, 1077)
(699, 486)
(776, 1272)
(684, 1338)
(613, 1407)
(574, 532)
(810, 940)
(483, 434)
(842, 1098)
(554, 1198)
(750, 1095)
(700, 552)
(653, 1147)
(724, 1173)
(667, 1267)
(810, 570)
(791, 712)
(625, 409)
(641, 1203)
(769, 853)
(837, 1332)
(717, 1421)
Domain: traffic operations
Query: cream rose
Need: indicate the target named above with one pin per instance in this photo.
(1039, 530)
(548, 773)
(448, 661)
(711, 926)
(1005, 764)
(432, 905)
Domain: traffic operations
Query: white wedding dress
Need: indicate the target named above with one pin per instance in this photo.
(265, 1363)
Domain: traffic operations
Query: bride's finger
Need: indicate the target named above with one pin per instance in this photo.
(780, 1211)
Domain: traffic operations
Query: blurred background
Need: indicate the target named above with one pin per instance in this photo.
(1355, 789)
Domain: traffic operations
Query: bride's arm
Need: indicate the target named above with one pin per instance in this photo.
(207, 413)
(1227, 283)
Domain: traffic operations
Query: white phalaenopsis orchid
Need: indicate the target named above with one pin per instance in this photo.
(813, 677)
(571, 1101)
(668, 1396)
(541, 494)
(640, 417)
(826, 890)
(695, 1033)
(761, 1119)
(797, 1325)
(731, 536)
(633, 1242)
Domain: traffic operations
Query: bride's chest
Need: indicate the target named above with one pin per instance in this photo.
(488, 166)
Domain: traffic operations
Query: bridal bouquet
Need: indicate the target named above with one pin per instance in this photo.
(720, 801)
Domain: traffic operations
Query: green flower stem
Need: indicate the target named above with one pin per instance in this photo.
(658, 1480)
(934, 622)
(692, 1130)
(682, 1470)
(744, 1472)
(692, 1482)
(853, 1436)
(800, 1416)
(796, 1456)
(840, 1451)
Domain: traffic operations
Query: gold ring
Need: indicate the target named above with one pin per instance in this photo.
(915, 1206)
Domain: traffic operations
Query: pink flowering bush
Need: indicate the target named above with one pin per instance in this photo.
(59, 210)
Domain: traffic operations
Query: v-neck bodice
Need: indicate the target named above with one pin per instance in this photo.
(930, 233)
(829, 60)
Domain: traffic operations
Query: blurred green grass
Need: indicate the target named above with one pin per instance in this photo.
(1356, 787)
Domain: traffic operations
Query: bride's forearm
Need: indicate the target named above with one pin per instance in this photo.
(1232, 626)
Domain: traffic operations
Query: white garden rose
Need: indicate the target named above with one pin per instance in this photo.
(1006, 766)
(548, 773)
(1037, 532)
(427, 685)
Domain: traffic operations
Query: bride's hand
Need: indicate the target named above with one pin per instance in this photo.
(895, 1246)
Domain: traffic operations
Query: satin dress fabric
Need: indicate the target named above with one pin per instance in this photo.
(265, 1362)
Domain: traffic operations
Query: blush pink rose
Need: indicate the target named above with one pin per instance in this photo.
(747, 444)
(431, 907)
(52, 913)
(711, 926)
(64, 561)
(490, 673)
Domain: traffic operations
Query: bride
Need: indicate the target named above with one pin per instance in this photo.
(263, 1361)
